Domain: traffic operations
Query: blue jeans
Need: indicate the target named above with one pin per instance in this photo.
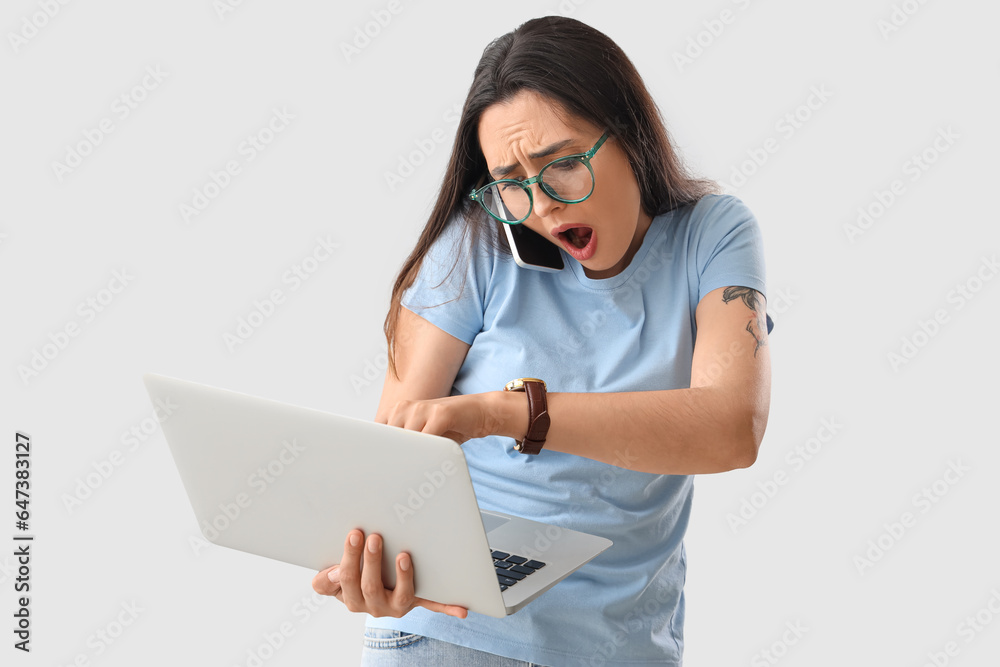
(392, 647)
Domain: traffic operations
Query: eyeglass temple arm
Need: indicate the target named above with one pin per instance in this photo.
(600, 142)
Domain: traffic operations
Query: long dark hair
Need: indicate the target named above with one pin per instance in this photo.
(590, 77)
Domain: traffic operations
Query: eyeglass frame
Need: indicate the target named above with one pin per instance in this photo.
(585, 158)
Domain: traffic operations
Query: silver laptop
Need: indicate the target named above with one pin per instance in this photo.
(289, 483)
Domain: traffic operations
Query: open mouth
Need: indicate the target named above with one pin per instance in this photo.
(578, 236)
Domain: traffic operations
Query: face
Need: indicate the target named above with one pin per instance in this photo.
(522, 135)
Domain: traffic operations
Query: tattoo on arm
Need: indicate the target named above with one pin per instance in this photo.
(757, 325)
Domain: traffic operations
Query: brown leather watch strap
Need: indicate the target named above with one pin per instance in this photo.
(538, 419)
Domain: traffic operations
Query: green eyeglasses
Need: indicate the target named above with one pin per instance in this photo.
(569, 179)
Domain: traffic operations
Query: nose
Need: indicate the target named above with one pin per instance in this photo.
(543, 204)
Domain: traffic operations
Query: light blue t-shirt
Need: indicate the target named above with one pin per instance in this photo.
(632, 332)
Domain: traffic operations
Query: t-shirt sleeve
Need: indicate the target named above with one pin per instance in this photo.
(729, 246)
(438, 294)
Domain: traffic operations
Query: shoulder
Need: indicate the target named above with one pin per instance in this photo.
(464, 233)
(725, 245)
(710, 212)
(720, 207)
(462, 241)
(714, 218)
(466, 251)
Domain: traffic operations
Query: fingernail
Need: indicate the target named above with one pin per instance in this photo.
(334, 575)
(404, 563)
(355, 540)
(373, 544)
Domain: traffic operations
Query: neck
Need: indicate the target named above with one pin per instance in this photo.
(642, 226)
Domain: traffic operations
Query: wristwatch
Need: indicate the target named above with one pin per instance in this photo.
(538, 414)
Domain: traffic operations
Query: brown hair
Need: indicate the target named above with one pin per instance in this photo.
(590, 77)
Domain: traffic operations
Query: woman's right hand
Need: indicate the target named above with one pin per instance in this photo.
(361, 590)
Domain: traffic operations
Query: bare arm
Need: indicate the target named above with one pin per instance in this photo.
(715, 425)
(427, 360)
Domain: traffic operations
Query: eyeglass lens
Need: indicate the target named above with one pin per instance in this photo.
(565, 180)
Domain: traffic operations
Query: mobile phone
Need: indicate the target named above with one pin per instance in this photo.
(531, 251)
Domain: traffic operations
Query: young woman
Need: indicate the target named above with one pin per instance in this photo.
(651, 342)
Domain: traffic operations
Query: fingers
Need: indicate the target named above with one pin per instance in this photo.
(402, 594)
(323, 584)
(361, 588)
(450, 609)
(350, 571)
(371, 576)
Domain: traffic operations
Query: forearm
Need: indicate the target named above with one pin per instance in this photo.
(678, 431)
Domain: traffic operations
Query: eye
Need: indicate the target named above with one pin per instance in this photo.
(566, 165)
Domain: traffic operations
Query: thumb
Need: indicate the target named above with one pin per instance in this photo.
(323, 584)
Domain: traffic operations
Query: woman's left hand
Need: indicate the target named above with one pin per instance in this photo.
(460, 418)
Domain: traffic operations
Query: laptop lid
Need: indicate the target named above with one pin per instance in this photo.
(289, 483)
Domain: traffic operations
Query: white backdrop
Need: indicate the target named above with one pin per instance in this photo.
(165, 166)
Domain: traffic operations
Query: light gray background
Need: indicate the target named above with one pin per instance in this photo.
(848, 303)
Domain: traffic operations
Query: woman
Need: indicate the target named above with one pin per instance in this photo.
(652, 343)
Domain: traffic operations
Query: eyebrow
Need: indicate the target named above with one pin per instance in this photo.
(500, 172)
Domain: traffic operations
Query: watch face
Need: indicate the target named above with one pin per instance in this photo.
(517, 384)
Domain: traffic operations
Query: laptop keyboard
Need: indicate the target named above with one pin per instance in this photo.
(512, 569)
